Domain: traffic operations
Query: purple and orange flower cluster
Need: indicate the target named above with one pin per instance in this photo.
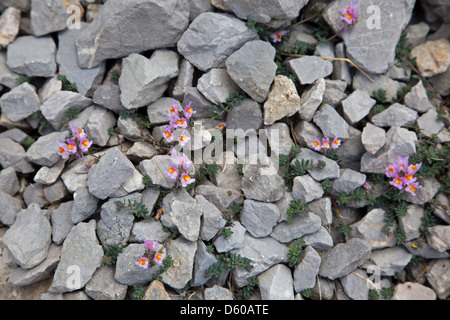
(402, 174)
(77, 145)
(154, 255)
(325, 145)
(180, 166)
(178, 119)
(350, 15)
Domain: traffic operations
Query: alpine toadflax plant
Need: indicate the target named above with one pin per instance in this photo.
(402, 174)
(179, 169)
(324, 144)
(155, 253)
(278, 35)
(78, 144)
(349, 16)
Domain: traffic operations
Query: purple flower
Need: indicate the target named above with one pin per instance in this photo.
(142, 262)
(397, 182)
(183, 139)
(411, 188)
(159, 257)
(316, 144)
(188, 111)
(172, 172)
(186, 179)
(150, 245)
(63, 152)
(413, 168)
(277, 35)
(367, 186)
(350, 16)
(71, 146)
(336, 143)
(325, 143)
(168, 135)
(181, 123)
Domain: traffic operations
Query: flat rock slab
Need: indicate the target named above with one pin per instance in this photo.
(211, 38)
(371, 46)
(310, 68)
(20, 103)
(125, 27)
(81, 255)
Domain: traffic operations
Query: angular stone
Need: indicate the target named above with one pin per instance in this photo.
(115, 224)
(156, 291)
(330, 171)
(157, 111)
(34, 193)
(301, 225)
(263, 253)
(148, 229)
(320, 240)
(390, 260)
(397, 115)
(311, 100)
(218, 293)
(309, 68)
(20, 103)
(125, 26)
(168, 201)
(439, 238)
(9, 207)
(423, 195)
(429, 124)
(413, 291)
(235, 241)
(216, 85)
(259, 218)
(302, 34)
(348, 181)
(140, 151)
(334, 92)
(357, 105)
(343, 258)
(86, 80)
(279, 136)
(54, 109)
(183, 253)
(45, 151)
(438, 275)
(110, 173)
(262, 182)
(246, 116)
(99, 122)
(203, 260)
(155, 168)
(212, 220)
(341, 69)
(143, 80)
(184, 80)
(417, 33)
(331, 123)
(432, 57)
(417, 98)
(28, 247)
(362, 43)
(49, 175)
(282, 100)
(322, 208)
(130, 274)
(360, 82)
(306, 271)
(32, 56)
(411, 222)
(252, 68)
(50, 15)
(222, 198)
(306, 189)
(61, 222)
(75, 174)
(26, 277)
(276, 283)
(9, 183)
(103, 286)
(186, 218)
(84, 205)
(370, 228)
(108, 96)
(307, 132)
(373, 138)
(267, 10)
(356, 285)
(211, 38)
(400, 142)
(9, 26)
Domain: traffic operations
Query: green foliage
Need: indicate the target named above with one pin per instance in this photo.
(261, 29)
(380, 95)
(113, 131)
(22, 79)
(378, 108)
(139, 119)
(66, 85)
(71, 113)
(134, 207)
(326, 186)
(342, 227)
(38, 115)
(401, 94)
(295, 252)
(402, 51)
(307, 293)
(28, 142)
(228, 261)
(295, 207)
(115, 74)
(239, 168)
(222, 109)
(167, 263)
(386, 292)
(247, 291)
(232, 211)
(206, 171)
(111, 252)
(226, 232)
(138, 293)
(300, 168)
(428, 220)
(357, 195)
(373, 294)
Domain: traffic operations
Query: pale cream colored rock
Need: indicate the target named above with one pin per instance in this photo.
(282, 101)
(432, 57)
(9, 26)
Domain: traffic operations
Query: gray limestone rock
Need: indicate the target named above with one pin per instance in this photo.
(320, 240)
(252, 68)
(330, 171)
(429, 124)
(417, 98)
(216, 85)
(311, 100)
(218, 293)
(49, 16)
(306, 189)
(9, 207)
(397, 115)
(109, 174)
(439, 238)
(157, 111)
(331, 123)
(235, 241)
(20, 103)
(309, 68)
(373, 138)
(343, 258)
(390, 260)
(355, 285)
(203, 260)
(148, 229)
(357, 105)
(212, 220)
(155, 168)
(28, 247)
(306, 271)
(49, 175)
(184, 80)
(143, 81)
(12, 154)
(9, 25)
(103, 285)
(259, 218)
(363, 42)
(411, 222)
(61, 222)
(108, 96)
(45, 151)
(211, 38)
(301, 225)
(125, 26)
(413, 291)
(348, 181)
(100, 120)
(360, 82)
(438, 276)
(84, 205)
(276, 283)
(9, 183)
(32, 56)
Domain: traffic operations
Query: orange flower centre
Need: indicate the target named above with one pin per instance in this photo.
(316, 143)
(142, 262)
(278, 35)
(348, 16)
(182, 138)
(85, 143)
(172, 110)
(189, 110)
(412, 188)
(71, 146)
(172, 170)
(336, 142)
(181, 122)
(391, 170)
(220, 126)
(61, 150)
(186, 178)
(409, 177)
(325, 144)
(168, 134)
(158, 256)
(398, 181)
